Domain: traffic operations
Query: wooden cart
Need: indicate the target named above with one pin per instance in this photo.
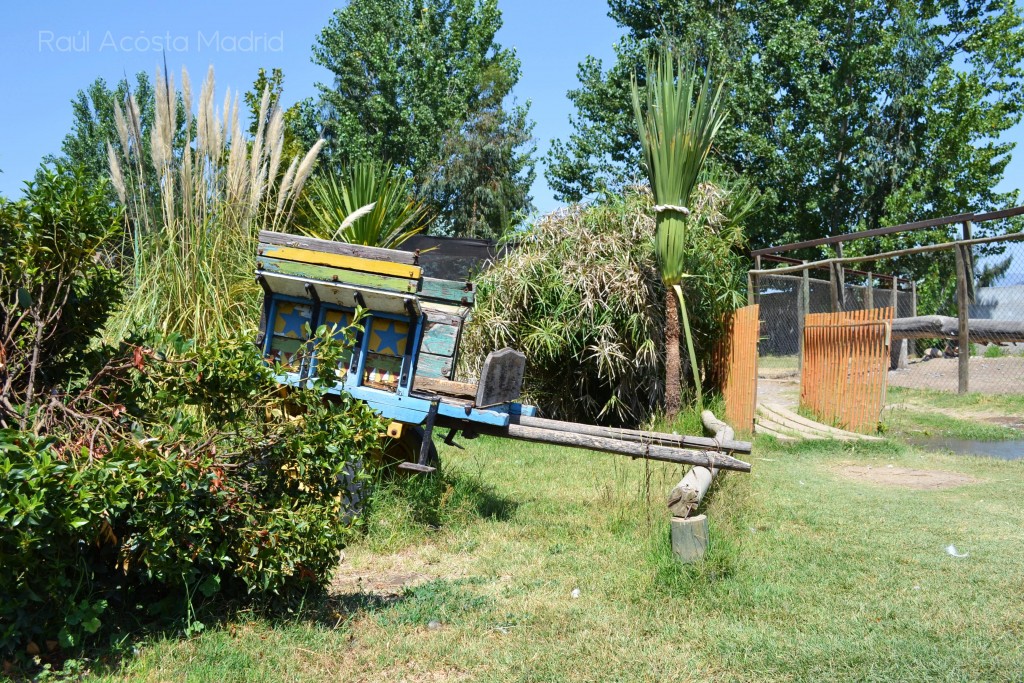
(404, 359)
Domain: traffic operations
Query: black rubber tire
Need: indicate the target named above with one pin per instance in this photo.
(406, 448)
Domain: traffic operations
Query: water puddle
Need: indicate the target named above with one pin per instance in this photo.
(1004, 450)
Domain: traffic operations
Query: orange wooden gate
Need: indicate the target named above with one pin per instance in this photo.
(735, 366)
(845, 368)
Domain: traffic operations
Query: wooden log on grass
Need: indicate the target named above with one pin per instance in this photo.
(729, 445)
(685, 498)
(689, 538)
(945, 327)
(647, 451)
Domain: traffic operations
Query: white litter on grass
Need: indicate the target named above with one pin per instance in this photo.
(952, 551)
(803, 484)
(575, 593)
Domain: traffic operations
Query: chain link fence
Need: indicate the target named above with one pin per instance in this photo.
(925, 355)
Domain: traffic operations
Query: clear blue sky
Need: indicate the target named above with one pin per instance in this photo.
(50, 49)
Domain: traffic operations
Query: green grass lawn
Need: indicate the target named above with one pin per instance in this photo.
(811, 576)
(917, 412)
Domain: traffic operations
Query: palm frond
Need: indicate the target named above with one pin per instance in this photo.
(370, 203)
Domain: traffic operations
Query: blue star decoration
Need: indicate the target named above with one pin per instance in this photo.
(389, 338)
(291, 322)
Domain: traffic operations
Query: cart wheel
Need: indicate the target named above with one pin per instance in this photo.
(406, 448)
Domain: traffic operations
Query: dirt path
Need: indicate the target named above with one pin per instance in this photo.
(987, 375)
(780, 389)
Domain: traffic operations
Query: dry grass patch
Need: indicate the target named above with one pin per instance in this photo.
(906, 477)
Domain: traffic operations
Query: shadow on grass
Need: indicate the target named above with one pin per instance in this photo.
(447, 498)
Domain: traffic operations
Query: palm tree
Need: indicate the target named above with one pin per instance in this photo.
(676, 131)
(370, 203)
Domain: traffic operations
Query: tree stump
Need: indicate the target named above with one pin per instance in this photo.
(689, 538)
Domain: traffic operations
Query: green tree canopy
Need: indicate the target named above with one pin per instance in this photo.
(93, 125)
(423, 86)
(847, 115)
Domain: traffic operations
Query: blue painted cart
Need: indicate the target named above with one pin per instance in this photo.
(406, 350)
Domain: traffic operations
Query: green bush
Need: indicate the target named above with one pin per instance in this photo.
(995, 351)
(192, 475)
(139, 480)
(56, 290)
(581, 296)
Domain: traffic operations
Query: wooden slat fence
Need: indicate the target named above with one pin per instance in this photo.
(844, 375)
(735, 367)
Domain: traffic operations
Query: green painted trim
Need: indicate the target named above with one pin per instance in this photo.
(438, 367)
(450, 291)
(440, 339)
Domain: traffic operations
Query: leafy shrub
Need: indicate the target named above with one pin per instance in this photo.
(995, 351)
(581, 296)
(55, 289)
(187, 472)
(139, 479)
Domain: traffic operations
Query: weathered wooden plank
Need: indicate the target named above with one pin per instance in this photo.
(445, 386)
(321, 258)
(429, 365)
(357, 250)
(348, 277)
(877, 232)
(450, 315)
(440, 338)
(501, 377)
(341, 295)
(448, 291)
(453, 310)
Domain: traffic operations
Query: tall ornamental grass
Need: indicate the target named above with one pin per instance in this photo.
(194, 207)
(677, 117)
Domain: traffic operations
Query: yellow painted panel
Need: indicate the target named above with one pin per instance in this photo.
(338, 319)
(339, 261)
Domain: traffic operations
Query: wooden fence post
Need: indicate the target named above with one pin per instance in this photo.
(900, 347)
(752, 283)
(869, 292)
(803, 308)
(837, 281)
(963, 311)
(968, 229)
